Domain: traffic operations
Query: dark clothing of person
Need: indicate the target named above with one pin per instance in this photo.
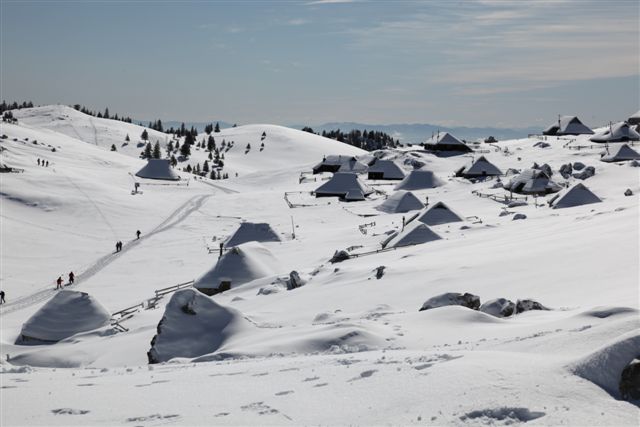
(138, 234)
(47, 163)
(59, 282)
(38, 162)
(72, 278)
(2, 301)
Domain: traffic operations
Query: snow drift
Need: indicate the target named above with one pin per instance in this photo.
(419, 179)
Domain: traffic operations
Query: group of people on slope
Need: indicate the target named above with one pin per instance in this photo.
(59, 282)
(43, 162)
(119, 243)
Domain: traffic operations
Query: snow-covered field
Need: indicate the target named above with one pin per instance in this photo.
(347, 347)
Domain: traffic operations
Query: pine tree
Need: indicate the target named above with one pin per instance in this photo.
(208, 129)
(156, 151)
(188, 168)
(205, 167)
(217, 129)
(147, 151)
(106, 113)
(145, 135)
(173, 161)
(126, 138)
(213, 174)
(185, 149)
(169, 148)
(211, 143)
(113, 147)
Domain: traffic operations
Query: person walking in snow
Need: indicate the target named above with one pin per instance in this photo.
(47, 163)
(72, 278)
(38, 162)
(59, 282)
(138, 234)
(2, 301)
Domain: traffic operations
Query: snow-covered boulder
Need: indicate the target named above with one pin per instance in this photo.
(587, 172)
(499, 307)
(527, 305)
(579, 166)
(519, 216)
(193, 325)
(630, 381)
(66, 314)
(452, 298)
(566, 170)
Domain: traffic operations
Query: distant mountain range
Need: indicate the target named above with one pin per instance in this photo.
(406, 133)
(418, 132)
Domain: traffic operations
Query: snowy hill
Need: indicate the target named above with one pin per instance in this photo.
(353, 330)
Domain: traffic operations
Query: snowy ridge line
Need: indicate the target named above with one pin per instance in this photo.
(176, 217)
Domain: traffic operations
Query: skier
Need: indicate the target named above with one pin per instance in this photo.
(59, 282)
(38, 162)
(138, 234)
(403, 223)
(47, 163)
(2, 301)
(72, 278)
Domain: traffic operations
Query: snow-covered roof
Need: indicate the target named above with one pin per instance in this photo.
(480, 167)
(353, 165)
(400, 201)
(577, 195)
(419, 179)
(388, 168)
(414, 233)
(620, 153)
(568, 125)
(444, 138)
(242, 264)
(66, 314)
(342, 183)
(532, 181)
(634, 119)
(251, 231)
(158, 169)
(438, 213)
(619, 132)
(192, 325)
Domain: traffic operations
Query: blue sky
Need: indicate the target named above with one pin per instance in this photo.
(472, 62)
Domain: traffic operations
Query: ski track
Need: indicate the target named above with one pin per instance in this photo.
(219, 187)
(175, 218)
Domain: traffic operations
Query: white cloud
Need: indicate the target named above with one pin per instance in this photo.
(298, 21)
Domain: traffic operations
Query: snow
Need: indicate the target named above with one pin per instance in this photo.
(239, 265)
(252, 232)
(618, 132)
(343, 184)
(577, 195)
(66, 314)
(296, 356)
(438, 213)
(419, 179)
(621, 153)
(401, 201)
(158, 169)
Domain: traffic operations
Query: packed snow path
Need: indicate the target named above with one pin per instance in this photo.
(175, 218)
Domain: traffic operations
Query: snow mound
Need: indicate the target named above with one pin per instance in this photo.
(481, 167)
(419, 179)
(158, 169)
(400, 202)
(192, 325)
(413, 234)
(241, 264)
(66, 314)
(577, 195)
(252, 231)
(438, 214)
(604, 366)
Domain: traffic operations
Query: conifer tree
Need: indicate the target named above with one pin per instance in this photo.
(217, 129)
(156, 151)
(185, 149)
(113, 147)
(145, 135)
(147, 151)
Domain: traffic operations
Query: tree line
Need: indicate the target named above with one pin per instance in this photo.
(367, 140)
